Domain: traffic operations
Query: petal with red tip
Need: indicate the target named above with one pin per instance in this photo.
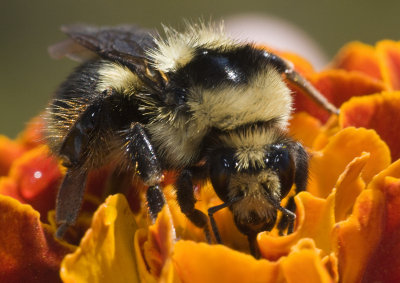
(9, 152)
(359, 235)
(380, 112)
(337, 86)
(384, 264)
(34, 179)
(389, 55)
(28, 250)
(357, 56)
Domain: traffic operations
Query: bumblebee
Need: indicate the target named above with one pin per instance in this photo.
(196, 102)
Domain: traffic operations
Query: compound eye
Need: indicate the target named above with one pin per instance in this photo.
(280, 160)
(181, 95)
(176, 96)
(221, 168)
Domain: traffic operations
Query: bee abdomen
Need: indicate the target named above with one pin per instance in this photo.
(86, 113)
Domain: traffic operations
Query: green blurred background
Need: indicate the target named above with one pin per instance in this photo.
(28, 75)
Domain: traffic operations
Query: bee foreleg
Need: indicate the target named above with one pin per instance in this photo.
(213, 210)
(214, 227)
(186, 201)
(286, 221)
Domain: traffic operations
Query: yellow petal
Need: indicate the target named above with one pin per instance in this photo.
(154, 248)
(106, 252)
(144, 272)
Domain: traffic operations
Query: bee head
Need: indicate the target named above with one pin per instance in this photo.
(253, 190)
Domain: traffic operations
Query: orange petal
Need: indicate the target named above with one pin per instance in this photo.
(331, 264)
(384, 265)
(304, 128)
(393, 171)
(389, 55)
(304, 264)
(106, 252)
(380, 112)
(329, 129)
(9, 152)
(200, 262)
(28, 250)
(315, 219)
(327, 165)
(349, 186)
(358, 236)
(337, 86)
(357, 56)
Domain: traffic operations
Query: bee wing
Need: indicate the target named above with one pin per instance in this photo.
(120, 43)
(71, 49)
(126, 44)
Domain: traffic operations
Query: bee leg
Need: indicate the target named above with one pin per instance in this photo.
(214, 227)
(186, 201)
(300, 180)
(311, 91)
(83, 148)
(155, 201)
(213, 210)
(69, 199)
(287, 222)
(254, 248)
(75, 152)
(141, 152)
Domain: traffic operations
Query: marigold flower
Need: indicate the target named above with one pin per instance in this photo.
(348, 220)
